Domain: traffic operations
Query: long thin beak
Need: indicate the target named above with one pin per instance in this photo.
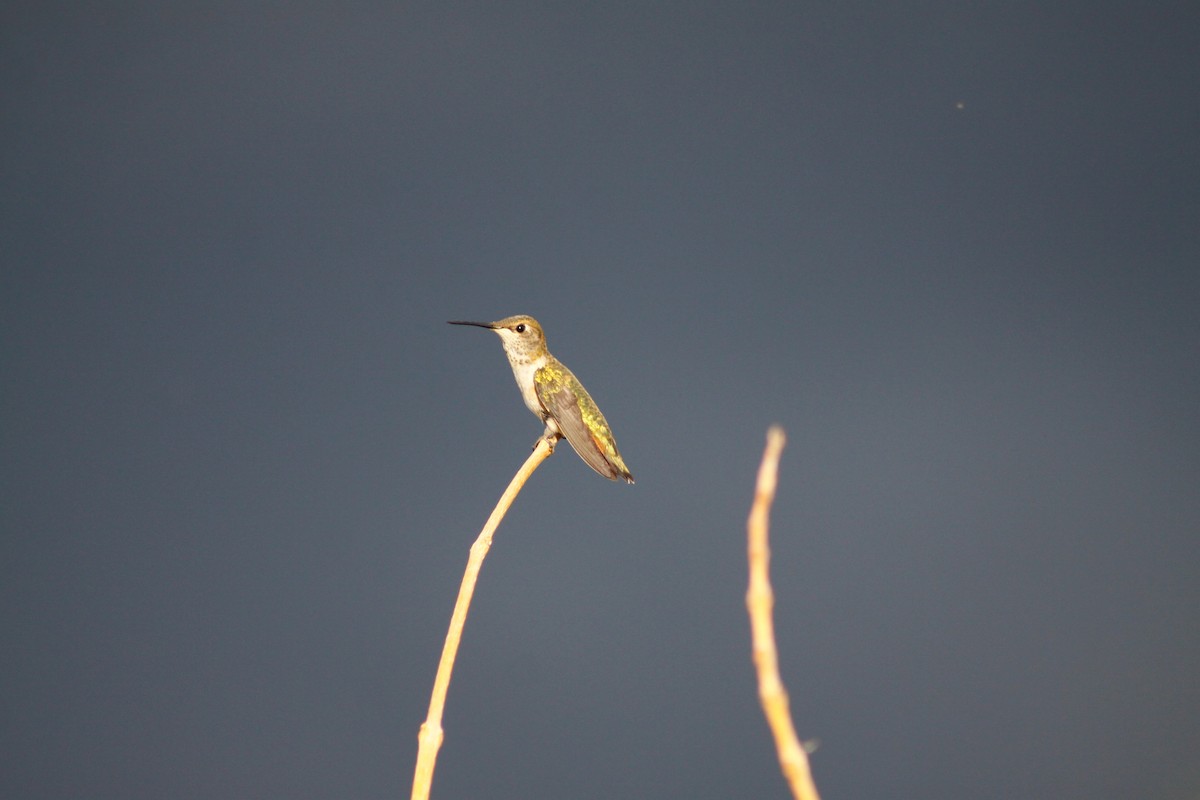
(487, 325)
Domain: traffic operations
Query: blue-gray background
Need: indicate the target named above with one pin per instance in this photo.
(953, 248)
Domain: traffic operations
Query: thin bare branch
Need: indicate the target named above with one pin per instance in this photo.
(430, 737)
(760, 600)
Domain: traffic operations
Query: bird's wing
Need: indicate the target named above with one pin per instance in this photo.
(562, 405)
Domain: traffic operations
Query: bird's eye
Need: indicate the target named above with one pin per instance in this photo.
(520, 328)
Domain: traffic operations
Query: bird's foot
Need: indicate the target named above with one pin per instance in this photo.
(550, 438)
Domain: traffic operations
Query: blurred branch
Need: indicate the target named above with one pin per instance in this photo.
(430, 738)
(760, 599)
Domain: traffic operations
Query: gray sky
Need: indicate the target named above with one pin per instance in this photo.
(952, 248)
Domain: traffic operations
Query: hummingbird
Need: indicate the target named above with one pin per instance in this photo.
(555, 395)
